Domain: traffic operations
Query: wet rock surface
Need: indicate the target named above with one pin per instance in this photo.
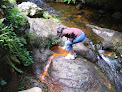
(112, 39)
(79, 75)
(40, 61)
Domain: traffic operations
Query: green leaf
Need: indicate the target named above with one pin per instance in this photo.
(3, 6)
(15, 67)
(14, 58)
(1, 40)
(2, 82)
(3, 34)
(74, 1)
(69, 1)
(1, 20)
(65, 0)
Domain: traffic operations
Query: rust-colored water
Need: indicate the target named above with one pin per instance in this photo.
(53, 87)
(107, 53)
(58, 51)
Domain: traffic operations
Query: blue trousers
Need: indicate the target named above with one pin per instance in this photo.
(68, 44)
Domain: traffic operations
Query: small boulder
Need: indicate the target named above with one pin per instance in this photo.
(78, 75)
(34, 89)
(30, 9)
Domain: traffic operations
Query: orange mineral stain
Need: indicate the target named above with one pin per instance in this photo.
(57, 51)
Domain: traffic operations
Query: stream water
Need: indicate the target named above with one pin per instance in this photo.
(109, 67)
(72, 17)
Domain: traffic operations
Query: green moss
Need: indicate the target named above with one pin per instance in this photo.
(46, 42)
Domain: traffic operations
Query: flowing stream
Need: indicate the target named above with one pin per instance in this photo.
(72, 17)
(112, 69)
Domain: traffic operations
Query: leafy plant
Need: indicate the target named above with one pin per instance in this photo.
(21, 83)
(1, 20)
(69, 1)
(47, 15)
(14, 46)
(51, 41)
(12, 43)
(2, 82)
(44, 42)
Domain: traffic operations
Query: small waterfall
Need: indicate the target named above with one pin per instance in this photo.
(109, 67)
(112, 68)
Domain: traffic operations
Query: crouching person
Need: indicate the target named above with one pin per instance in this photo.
(74, 35)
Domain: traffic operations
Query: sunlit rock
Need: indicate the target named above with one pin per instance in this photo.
(78, 75)
(35, 89)
(30, 9)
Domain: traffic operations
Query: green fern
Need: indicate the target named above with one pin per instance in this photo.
(12, 45)
(14, 58)
(13, 65)
(1, 20)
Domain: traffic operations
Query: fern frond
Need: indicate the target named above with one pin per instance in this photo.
(14, 58)
(15, 67)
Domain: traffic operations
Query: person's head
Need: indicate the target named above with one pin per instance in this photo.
(60, 32)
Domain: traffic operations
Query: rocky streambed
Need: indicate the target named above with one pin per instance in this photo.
(79, 75)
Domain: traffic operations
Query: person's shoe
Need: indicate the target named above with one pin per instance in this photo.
(69, 57)
(72, 57)
(63, 47)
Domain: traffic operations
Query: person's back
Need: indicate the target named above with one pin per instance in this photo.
(75, 31)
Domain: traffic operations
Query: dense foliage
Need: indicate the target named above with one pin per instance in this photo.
(13, 44)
